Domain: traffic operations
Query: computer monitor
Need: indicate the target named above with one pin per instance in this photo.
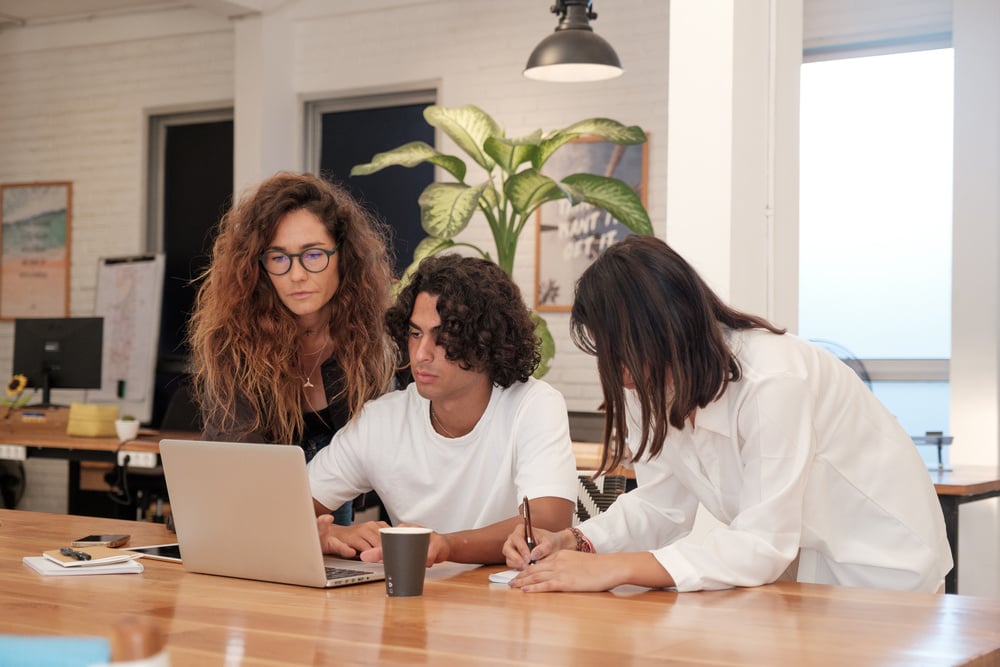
(59, 353)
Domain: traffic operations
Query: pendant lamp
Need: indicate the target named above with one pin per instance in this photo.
(574, 52)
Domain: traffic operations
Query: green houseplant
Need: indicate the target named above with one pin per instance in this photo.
(513, 188)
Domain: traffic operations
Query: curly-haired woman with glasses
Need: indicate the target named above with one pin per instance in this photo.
(287, 335)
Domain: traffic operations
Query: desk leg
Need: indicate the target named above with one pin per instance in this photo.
(73, 505)
(949, 506)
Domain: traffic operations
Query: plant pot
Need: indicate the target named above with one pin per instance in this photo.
(127, 429)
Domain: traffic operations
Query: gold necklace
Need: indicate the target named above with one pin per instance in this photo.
(319, 357)
(435, 418)
(307, 384)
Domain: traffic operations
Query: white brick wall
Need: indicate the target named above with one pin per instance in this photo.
(77, 109)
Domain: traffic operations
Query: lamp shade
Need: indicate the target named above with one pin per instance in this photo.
(574, 52)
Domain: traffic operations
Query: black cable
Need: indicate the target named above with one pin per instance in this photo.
(119, 492)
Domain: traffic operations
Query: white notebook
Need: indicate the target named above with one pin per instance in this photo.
(43, 565)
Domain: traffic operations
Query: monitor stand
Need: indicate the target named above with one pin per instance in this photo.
(46, 397)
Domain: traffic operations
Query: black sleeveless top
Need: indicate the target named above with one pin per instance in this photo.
(319, 426)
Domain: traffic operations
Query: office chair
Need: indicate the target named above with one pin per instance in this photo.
(11, 483)
(182, 414)
(594, 496)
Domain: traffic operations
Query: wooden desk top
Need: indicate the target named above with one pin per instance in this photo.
(588, 458)
(966, 480)
(462, 619)
(54, 435)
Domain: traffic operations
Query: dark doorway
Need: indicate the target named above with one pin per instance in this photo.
(353, 137)
(197, 187)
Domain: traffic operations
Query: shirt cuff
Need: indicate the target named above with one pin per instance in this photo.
(678, 567)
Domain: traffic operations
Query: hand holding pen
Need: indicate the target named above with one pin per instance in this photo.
(529, 535)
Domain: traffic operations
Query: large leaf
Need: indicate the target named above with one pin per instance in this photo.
(605, 128)
(547, 344)
(468, 126)
(512, 153)
(529, 189)
(410, 155)
(446, 208)
(615, 197)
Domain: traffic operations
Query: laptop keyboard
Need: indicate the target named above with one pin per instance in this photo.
(343, 573)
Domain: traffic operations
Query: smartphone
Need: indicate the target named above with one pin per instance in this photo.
(170, 552)
(112, 541)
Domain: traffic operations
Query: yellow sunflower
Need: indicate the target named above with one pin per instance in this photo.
(16, 385)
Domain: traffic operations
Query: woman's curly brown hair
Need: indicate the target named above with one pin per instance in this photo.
(485, 325)
(243, 339)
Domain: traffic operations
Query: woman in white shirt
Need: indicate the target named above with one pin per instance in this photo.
(812, 477)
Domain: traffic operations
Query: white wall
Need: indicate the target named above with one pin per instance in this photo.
(975, 356)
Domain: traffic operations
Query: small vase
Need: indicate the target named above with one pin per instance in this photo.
(127, 429)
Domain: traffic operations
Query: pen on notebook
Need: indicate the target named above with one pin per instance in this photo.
(529, 536)
(79, 555)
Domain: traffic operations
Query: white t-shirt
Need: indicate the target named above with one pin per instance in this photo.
(798, 458)
(520, 447)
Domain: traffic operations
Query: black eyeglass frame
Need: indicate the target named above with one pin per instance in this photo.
(262, 258)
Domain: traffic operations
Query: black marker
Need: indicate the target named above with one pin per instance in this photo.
(79, 555)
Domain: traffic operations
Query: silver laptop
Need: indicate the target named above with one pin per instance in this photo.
(245, 510)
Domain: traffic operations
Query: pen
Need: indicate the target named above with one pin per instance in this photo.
(79, 555)
(529, 536)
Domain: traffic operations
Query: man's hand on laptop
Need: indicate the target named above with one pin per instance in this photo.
(348, 541)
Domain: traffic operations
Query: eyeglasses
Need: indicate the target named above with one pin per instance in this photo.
(313, 260)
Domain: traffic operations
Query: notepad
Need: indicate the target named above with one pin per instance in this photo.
(504, 577)
(48, 567)
(99, 556)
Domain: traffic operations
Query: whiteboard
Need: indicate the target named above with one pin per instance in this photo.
(129, 295)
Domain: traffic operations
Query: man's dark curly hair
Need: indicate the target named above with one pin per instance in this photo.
(485, 325)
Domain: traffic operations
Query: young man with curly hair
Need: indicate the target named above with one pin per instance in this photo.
(471, 435)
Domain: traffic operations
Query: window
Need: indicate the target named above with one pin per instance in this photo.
(875, 223)
(343, 132)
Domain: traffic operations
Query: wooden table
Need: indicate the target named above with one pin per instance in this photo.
(463, 620)
(962, 484)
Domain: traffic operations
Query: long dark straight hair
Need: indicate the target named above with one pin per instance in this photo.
(641, 307)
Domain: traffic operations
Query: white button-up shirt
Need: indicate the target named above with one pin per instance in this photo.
(797, 459)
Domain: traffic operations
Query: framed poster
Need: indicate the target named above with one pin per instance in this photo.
(34, 249)
(569, 238)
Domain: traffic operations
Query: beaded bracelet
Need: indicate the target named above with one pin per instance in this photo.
(582, 543)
